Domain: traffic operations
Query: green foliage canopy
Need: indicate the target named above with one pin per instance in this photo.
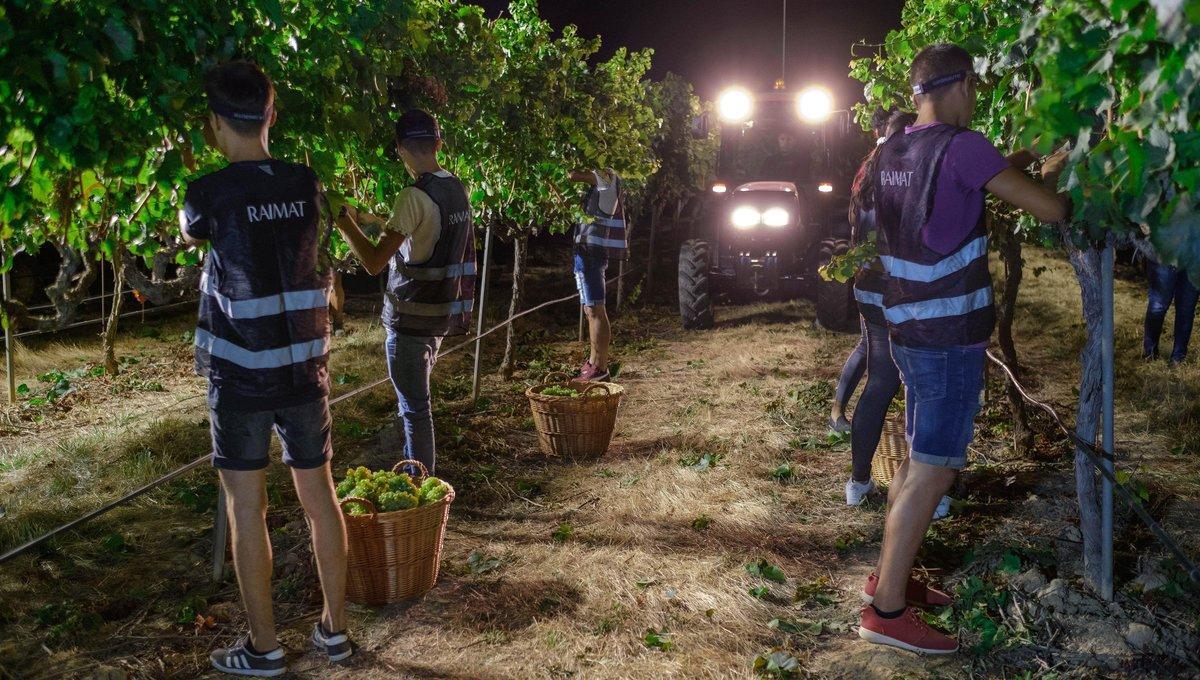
(102, 108)
(1117, 79)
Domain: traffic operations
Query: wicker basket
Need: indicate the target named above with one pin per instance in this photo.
(394, 555)
(891, 452)
(577, 427)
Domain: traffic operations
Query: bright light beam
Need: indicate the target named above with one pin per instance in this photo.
(814, 104)
(735, 105)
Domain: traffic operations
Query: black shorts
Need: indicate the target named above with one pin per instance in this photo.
(241, 439)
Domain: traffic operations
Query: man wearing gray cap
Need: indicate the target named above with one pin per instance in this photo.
(428, 248)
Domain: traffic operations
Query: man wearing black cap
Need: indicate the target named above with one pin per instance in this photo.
(428, 247)
(262, 340)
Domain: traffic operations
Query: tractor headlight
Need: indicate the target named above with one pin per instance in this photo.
(745, 217)
(814, 104)
(776, 217)
(735, 105)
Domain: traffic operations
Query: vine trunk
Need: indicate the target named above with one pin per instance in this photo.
(1086, 262)
(520, 248)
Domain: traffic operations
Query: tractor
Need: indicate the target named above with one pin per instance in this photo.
(778, 209)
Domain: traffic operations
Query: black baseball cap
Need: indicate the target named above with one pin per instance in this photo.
(417, 124)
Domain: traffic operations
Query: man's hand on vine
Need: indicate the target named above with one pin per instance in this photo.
(1052, 167)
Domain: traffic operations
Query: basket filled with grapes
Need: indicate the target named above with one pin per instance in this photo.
(395, 526)
(574, 419)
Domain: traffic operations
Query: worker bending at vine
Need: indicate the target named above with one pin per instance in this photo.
(263, 343)
(428, 248)
(928, 186)
(598, 238)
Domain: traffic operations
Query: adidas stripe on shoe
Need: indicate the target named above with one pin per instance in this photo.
(239, 660)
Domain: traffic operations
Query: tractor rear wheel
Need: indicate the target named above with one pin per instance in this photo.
(695, 300)
(836, 308)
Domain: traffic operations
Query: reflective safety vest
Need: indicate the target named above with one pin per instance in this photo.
(929, 299)
(262, 337)
(435, 297)
(604, 231)
(870, 280)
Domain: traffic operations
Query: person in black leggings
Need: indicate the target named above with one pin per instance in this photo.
(883, 378)
(852, 373)
(856, 363)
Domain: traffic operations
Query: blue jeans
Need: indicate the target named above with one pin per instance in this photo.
(883, 382)
(410, 360)
(941, 397)
(852, 371)
(589, 277)
(1169, 284)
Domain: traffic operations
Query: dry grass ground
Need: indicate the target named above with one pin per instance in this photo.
(632, 565)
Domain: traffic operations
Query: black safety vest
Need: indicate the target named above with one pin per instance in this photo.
(929, 299)
(435, 297)
(262, 337)
(604, 232)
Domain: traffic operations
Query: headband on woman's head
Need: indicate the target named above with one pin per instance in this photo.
(941, 81)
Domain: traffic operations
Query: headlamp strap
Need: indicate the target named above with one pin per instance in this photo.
(940, 81)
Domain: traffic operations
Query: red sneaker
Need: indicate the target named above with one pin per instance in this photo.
(906, 631)
(916, 593)
(590, 373)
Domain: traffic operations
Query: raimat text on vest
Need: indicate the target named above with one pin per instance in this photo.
(895, 178)
(275, 211)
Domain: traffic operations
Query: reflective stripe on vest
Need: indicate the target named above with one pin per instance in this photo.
(254, 308)
(939, 307)
(606, 242)
(868, 298)
(434, 309)
(439, 273)
(926, 273)
(613, 222)
(267, 358)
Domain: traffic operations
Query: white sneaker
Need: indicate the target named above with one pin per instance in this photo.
(941, 511)
(857, 492)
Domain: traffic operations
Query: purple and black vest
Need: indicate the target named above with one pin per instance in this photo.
(929, 299)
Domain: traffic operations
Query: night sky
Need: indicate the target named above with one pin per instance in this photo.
(718, 43)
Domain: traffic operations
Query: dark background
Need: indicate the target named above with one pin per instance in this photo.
(719, 43)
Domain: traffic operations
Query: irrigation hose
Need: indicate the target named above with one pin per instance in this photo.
(206, 457)
(1097, 458)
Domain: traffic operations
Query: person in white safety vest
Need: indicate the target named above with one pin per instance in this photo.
(598, 238)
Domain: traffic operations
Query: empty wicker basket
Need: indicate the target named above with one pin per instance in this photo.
(394, 555)
(577, 427)
(891, 452)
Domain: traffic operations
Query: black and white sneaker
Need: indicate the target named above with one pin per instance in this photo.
(239, 660)
(337, 645)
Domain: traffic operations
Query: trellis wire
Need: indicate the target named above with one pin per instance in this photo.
(88, 322)
(205, 458)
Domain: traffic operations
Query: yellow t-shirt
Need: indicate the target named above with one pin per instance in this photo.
(415, 215)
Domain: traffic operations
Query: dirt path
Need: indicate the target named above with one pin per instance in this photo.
(634, 565)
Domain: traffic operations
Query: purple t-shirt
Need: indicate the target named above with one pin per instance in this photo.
(971, 161)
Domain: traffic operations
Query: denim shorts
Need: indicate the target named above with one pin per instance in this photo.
(241, 438)
(942, 387)
(589, 277)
